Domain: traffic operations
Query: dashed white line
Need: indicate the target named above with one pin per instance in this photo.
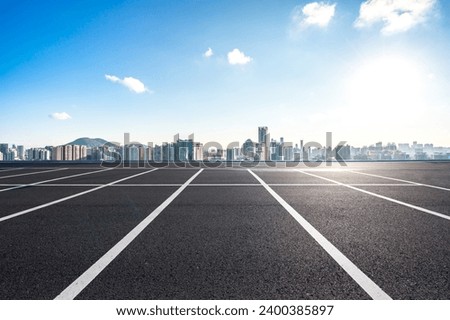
(437, 214)
(372, 289)
(70, 197)
(401, 180)
(31, 173)
(90, 274)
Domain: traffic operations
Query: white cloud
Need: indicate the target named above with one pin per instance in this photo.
(60, 116)
(238, 57)
(314, 14)
(395, 15)
(131, 83)
(209, 53)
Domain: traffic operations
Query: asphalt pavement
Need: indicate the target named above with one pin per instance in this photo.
(364, 231)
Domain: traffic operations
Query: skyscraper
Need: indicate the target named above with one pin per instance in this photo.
(263, 143)
(21, 152)
(184, 150)
(67, 153)
(4, 149)
(262, 133)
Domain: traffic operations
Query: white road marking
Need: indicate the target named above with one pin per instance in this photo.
(301, 184)
(30, 173)
(225, 185)
(372, 289)
(401, 180)
(149, 185)
(12, 169)
(336, 185)
(70, 197)
(51, 180)
(292, 169)
(90, 274)
(382, 185)
(437, 214)
(205, 185)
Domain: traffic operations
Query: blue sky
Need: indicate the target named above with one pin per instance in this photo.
(368, 71)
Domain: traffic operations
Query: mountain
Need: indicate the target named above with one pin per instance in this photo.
(90, 143)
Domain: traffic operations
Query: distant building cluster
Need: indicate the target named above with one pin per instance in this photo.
(185, 150)
(49, 153)
(402, 151)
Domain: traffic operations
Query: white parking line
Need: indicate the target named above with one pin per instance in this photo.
(12, 169)
(437, 214)
(149, 185)
(90, 274)
(372, 289)
(336, 185)
(301, 184)
(401, 180)
(51, 180)
(30, 173)
(40, 184)
(69, 197)
(225, 185)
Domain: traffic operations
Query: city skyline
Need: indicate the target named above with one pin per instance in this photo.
(264, 148)
(364, 70)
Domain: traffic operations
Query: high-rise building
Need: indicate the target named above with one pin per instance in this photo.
(157, 153)
(67, 154)
(4, 149)
(342, 152)
(184, 150)
(248, 149)
(76, 152)
(149, 152)
(57, 153)
(198, 151)
(93, 154)
(262, 133)
(83, 152)
(288, 152)
(21, 152)
(11, 155)
(38, 154)
(167, 152)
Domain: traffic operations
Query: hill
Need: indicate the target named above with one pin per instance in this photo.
(90, 143)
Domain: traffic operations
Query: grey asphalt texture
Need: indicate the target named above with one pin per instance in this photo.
(225, 236)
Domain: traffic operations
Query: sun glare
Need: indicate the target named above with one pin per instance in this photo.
(388, 85)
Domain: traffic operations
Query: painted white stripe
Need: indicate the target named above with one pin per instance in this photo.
(336, 185)
(12, 169)
(90, 274)
(51, 180)
(401, 180)
(372, 289)
(225, 185)
(316, 169)
(209, 185)
(149, 185)
(69, 185)
(30, 173)
(89, 185)
(301, 184)
(382, 185)
(69, 197)
(434, 213)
